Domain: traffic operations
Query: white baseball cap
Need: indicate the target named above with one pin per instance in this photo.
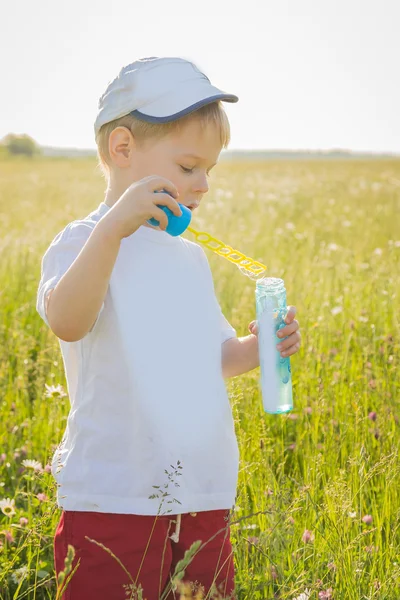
(157, 90)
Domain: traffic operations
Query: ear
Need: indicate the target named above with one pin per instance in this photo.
(121, 145)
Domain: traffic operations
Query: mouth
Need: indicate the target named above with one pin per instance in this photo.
(192, 207)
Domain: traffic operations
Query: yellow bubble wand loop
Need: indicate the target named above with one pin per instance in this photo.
(248, 266)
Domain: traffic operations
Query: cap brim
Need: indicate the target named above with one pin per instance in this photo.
(179, 103)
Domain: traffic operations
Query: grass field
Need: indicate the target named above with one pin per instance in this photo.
(318, 506)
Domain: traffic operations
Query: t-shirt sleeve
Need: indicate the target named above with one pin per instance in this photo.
(227, 331)
(59, 256)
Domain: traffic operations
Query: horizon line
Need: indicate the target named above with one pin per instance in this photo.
(238, 149)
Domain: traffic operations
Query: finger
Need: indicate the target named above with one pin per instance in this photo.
(288, 329)
(253, 327)
(159, 184)
(160, 216)
(291, 350)
(167, 200)
(291, 312)
(291, 340)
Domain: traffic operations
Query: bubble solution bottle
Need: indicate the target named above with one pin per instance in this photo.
(275, 377)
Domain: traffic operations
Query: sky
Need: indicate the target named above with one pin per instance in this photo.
(310, 74)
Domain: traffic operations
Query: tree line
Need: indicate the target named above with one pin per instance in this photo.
(19, 144)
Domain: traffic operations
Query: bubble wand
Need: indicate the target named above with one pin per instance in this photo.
(276, 379)
(248, 266)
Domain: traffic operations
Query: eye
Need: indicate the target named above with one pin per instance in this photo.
(185, 169)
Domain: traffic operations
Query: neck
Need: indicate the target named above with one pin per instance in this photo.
(114, 191)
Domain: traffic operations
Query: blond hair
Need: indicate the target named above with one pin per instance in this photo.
(213, 113)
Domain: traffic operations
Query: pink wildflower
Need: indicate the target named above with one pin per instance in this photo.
(308, 536)
(253, 539)
(9, 536)
(367, 519)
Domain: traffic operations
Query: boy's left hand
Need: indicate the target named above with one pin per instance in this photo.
(291, 332)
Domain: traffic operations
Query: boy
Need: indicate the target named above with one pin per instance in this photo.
(146, 349)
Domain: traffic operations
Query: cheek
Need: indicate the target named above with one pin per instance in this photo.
(157, 165)
(142, 168)
(182, 183)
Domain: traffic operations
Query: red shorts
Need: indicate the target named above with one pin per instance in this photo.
(143, 545)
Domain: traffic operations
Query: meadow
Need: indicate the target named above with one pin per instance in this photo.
(318, 503)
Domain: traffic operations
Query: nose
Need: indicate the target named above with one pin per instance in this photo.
(201, 186)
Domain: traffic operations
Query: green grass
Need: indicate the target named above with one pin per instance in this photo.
(331, 230)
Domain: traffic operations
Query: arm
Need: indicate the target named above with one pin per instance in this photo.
(239, 355)
(74, 303)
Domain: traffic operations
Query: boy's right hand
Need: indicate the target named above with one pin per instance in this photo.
(138, 204)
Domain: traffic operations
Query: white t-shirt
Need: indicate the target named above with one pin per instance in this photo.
(145, 384)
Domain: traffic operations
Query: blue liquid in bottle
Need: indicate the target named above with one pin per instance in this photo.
(275, 377)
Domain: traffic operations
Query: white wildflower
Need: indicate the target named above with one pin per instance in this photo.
(336, 310)
(32, 464)
(19, 574)
(7, 507)
(54, 391)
